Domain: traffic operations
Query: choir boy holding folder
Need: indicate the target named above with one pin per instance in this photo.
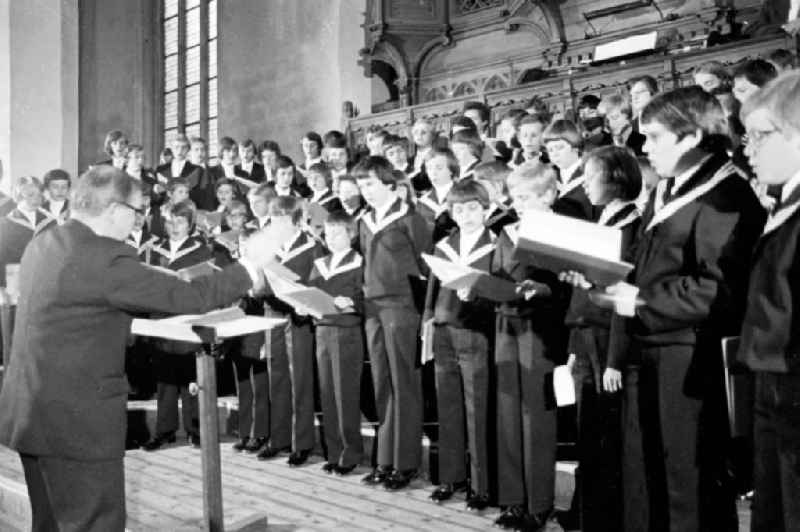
(530, 342)
(686, 292)
(462, 329)
(340, 344)
(770, 340)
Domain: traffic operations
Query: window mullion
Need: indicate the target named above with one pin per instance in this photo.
(181, 64)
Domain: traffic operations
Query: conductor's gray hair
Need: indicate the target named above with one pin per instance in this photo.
(99, 187)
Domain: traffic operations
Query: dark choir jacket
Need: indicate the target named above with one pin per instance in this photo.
(689, 259)
(546, 310)
(299, 258)
(770, 339)
(443, 304)
(572, 200)
(63, 212)
(469, 171)
(436, 214)
(256, 173)
(329, 201)
(65, 389)
(344, 279)
(191, 172)
(16, 231)
(590, 324)
(144, 245)
(502, 215)
(419, 179)
(391, 248)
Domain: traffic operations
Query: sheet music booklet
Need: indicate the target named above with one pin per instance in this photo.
(561, 243)
(227, 323)
(457, 276)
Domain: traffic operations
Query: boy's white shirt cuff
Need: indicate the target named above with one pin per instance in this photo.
(625, 303)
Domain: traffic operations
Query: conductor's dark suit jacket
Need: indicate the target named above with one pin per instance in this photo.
(65, 389)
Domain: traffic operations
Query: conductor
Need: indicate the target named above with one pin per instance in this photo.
(62, 405)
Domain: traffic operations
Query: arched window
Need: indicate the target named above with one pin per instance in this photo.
(189, 75)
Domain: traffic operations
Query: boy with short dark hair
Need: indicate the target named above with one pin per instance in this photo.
(340, 344)
(57, 184)
(462, 329)
(564, 145)
(441, 168)
(467, 147)
(320, 181)
(336, 155)
(285, 179)
(493, 176)
(269, 151)
(173, 360)
(392, 320)
(248, 168)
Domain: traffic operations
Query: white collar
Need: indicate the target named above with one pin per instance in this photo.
(419, 157)
(467, 241)
(612, 208)
(441, 192)
(227, 168)
(246, 165)
(29, 214)
(566, 175)
(263, 221)
(137, 236)
(175, 246)
(311, 162)
(684, 176)
(56, 206)
(289, 243)
(319, 194)
(338, 257)
(380, 212)
(283, 191)
(790, 186)
(177, 167)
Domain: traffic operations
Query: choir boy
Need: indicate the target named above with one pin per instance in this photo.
(249, 367)
(57, 185)
(173, 360)
(141, 239)
(686, 292)
(350, 197)
(22, 224)
(248, 168)
(507, 131)
(259, 199)
(530, 342)
(467, 147)
(335, 154)
(311, 144)
(376, 136)
(203, 194)
(320, 181)
(269, 151)
(769, 338)
(423, 134)
(340, 344)
(291, 368)
(564, 143)
(395, 149)
(226, 193)
(135, 168)
(529, 136)
(619, 119)
(613, 182)
(177, 192)
(493, 176)
(462, 326)
(180, 167)
(286, 183)
(442, 170)
(392, 236)
(116, 147)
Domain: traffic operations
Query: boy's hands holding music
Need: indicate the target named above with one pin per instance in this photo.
(576, 279)
(343, 303)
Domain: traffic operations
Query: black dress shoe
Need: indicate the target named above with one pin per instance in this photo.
(329, 468)
(298, 458)
(159, 441)
(255, 445)
(344, 470)
(512, 517)
(271, 452)
(241, 445)
(477, 503)
(399, 479)
(194, 439)
(536, 522)
(446, 491)
(377, 476)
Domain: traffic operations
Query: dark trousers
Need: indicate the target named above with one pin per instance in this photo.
(635, 514)
(461, 359)
(74, 496)
(392, 333)
(526, 418)
(280, 384)
(291, 376)
(252, 387)
(599, 450)
(173, 375)
(684, 439)
(340, 358)
(776, 503)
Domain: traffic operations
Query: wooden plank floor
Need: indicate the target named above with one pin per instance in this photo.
(164, 493)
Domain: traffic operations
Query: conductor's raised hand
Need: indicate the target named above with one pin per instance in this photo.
(260, 247)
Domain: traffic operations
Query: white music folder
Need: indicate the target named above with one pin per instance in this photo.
(227, 323)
